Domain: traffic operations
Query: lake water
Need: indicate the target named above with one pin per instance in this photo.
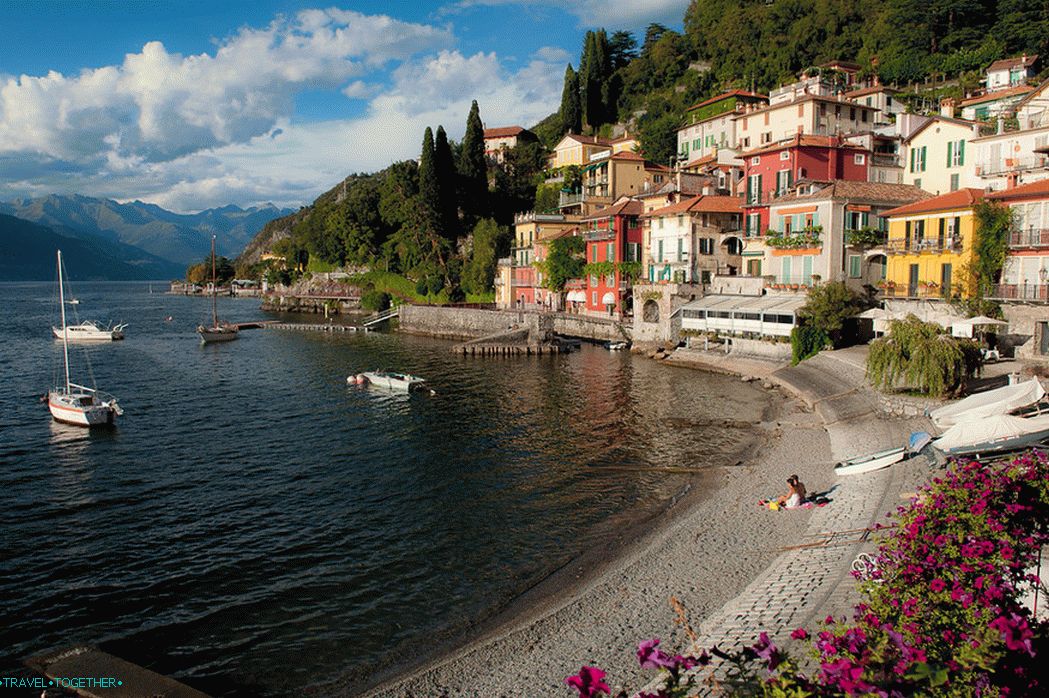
(254, 526)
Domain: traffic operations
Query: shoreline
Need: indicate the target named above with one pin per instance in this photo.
(525, 647)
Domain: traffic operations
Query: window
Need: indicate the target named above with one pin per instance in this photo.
(610, 280)
(593, 280)
(918, 183)
(954, 182)
(706, 246)
(784, 155)
(610, 252)
(863, 116)
(855, 262)
(680, 250)
(593, 253)
(955, 153)
(859, 159)
(660, 258)
(633, 252)
(754, 189)
(766, 137)
(756, 160)
(593, 298)
(782, 182)
(888, 101)
(852, 113)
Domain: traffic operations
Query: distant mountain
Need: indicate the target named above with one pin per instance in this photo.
(27, 253)
(181, 239)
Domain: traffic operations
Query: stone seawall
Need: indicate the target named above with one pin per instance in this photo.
(298, 304)
(463, 323)
(590, 328)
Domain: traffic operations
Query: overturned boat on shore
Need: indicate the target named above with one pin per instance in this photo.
(999, 401)
(883, 459)
(993, 435)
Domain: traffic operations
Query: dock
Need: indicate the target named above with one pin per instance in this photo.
(471, 349)
(316, 327)
(87, 671)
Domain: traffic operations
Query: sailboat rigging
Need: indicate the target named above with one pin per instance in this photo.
(72, 403)
(219, 331)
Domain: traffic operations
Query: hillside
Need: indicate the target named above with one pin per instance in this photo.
(27, 253)
(180, 239)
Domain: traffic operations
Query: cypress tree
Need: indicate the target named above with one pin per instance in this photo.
(603, 71)
(429, 187)
(473, 169)
(587, 80)
(571, 110)
(444, 166)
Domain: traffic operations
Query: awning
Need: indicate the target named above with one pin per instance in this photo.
(964, 328)
(576, 297)
(608, 299)
(752, 304)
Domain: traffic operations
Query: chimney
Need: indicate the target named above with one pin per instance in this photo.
(947, 107)
(1001, 125)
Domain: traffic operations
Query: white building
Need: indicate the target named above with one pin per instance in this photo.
(938, 158)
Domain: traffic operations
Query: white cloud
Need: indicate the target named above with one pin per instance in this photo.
(291, 163)
(158, 105)
(613, 14)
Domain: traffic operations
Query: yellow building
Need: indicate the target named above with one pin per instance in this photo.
(930, 244)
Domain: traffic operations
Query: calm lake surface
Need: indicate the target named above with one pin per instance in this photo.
(253, 526)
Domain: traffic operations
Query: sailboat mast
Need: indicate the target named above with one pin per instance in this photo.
(62, 305)
(214, 299)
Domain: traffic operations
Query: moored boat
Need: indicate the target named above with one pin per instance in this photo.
(217, 331)
(993, 435)
(989, 403)
(883, 459)
(402, 382)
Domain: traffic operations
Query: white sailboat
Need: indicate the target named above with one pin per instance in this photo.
(72, 403)
(219, 331)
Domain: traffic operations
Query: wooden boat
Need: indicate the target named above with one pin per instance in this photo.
(72, 403)
(218, 331)
(401, 382)
(882, 459)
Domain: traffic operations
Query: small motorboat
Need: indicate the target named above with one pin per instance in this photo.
(994, 435)
(883, 459)
(617, 346)
(989, 403)
(401, 382)
(88, 331)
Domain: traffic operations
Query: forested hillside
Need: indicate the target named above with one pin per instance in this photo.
(444, 221)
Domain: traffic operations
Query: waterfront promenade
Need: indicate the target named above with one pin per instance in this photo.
(735, 567)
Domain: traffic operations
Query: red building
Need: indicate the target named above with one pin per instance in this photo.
(772, 170)
(613, 245)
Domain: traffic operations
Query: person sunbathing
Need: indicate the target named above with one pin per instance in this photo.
(796, 496)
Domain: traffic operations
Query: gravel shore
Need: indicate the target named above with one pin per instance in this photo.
(703, 552)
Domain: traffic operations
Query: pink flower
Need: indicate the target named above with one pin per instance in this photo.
(937, 584)
(799, 634)
(589, 682)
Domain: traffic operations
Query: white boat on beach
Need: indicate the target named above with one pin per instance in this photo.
(88, 331)
(617, 346)
(401, 382)
(989, 403)
(996, 434)
(72, 403)
(883, 459)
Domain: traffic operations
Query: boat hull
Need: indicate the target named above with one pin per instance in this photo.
(81, 333)
(213, 335)
(1008, 445)
(867, 464)
(399, 383)
(94, 415)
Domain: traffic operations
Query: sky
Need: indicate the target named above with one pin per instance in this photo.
(202, 103)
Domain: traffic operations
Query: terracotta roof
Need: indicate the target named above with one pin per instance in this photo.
(726, 95)
(626, 155)
(656, 167)
(844, 64)
(1015, 62)
(869, 91)
(881, 192)
(699, 204)
(623, 207)
(997, 95)
(503, 132)
(963, 198)
(1034, 94)
(622, 139)
(564, 232)
(933, 118)
(1034, 189)
(705, 160)
(589, 140)
(804, 142)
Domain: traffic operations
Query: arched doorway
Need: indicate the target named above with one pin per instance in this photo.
(650, 311)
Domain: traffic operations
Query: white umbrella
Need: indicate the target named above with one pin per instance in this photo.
(877, 314)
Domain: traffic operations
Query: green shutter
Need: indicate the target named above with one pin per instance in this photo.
(925, 152)
(961, 152)
(949, 152)
(912, 159)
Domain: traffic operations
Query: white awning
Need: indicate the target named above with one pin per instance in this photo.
(608, 299)
(754, 304)
(964, 328)
(576, 297)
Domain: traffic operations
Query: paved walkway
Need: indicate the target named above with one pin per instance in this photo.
(805, 584)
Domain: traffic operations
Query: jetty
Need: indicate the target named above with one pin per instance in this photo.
(83, 670)
(512, 342)
(315, 327)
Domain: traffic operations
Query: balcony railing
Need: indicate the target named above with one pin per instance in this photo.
(571, 199)
(1003, 165)
(866, 237)
(1022, 292)
(916, 291)
(917, 246)
(599, 234)
(1029, 238)
(885, 160)
(791, 283)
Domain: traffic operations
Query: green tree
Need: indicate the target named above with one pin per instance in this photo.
(444, 166)
(828, 307)
(547, 198)
(571, 111)
(516, 179)
(430, 187)
(622, 48)
(564, 261)
(473, 169)
(479, 269)
(920, 356)
(990, 246)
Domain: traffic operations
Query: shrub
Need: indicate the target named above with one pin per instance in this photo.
(375, 301)
(919, 355)
(806, 341)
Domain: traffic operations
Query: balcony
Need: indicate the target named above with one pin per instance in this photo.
(779, 282)
(1021, 292)
(866, 237)
(915, 291)
(1004, 165)
(567, 199)
(599, 234)
(885, 160)
(918, 246)
(1029, 238)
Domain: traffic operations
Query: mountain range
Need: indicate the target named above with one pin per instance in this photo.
(159, 236)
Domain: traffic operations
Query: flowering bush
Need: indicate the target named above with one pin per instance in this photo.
(942, 613)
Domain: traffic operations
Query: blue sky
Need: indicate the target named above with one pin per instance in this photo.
(200, 103)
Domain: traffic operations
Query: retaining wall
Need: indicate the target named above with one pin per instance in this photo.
(463, 323)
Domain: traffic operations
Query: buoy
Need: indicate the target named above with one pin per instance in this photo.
(362, 379)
